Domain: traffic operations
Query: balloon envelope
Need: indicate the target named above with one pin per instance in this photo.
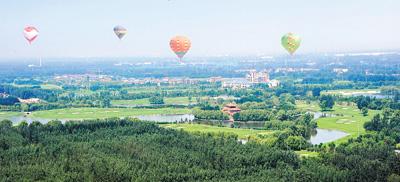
(30, 33)
(180, 45)
(291, 42)
(120, 31)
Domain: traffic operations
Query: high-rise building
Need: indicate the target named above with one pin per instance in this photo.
(258, 77)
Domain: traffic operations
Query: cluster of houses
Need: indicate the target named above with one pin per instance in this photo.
(29, 101)
(252, 78)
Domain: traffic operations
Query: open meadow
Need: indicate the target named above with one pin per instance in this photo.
(241, 133)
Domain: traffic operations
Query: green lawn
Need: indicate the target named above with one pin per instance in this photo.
(242, 133)
(95, 113)
(348, 119)
(313, 106)
(167, 100)
(50, 87)
(352, 121)
(5, 115)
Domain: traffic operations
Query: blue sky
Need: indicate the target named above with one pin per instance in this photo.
(81, 28)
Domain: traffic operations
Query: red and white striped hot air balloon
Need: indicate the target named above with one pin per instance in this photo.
(30, 33)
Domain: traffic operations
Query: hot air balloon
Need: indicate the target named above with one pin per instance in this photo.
(30, 34)
(180, 45)
(120, 31)
(291, 42)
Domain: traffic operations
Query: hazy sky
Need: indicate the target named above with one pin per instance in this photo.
(80, 28)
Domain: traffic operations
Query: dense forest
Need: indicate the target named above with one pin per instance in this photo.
(129, 150)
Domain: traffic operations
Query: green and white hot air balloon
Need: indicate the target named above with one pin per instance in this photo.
(291, 42)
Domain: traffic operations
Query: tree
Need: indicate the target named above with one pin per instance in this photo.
(296, 142)
(326, 102)
(396, 96)
(156, 100)
(364, 111)
(220, 101)
(5, 124)
(105, 103)
(316, 92)
(25, 107)
(363, 102)
(393, 178)
(190, 100)
(10, 100)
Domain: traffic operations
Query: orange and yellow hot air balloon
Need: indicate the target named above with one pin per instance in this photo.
(180, 45)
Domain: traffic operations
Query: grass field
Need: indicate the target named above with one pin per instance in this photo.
(5, 115)
(313, 106)
(347, 118)
(304, 153)
(50, 87)
(167, 100)
(131, 102)
(97, 113)
(242, 133)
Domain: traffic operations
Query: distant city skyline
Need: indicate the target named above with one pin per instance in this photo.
(216, 27)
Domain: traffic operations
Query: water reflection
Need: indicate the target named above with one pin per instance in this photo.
(326, 136)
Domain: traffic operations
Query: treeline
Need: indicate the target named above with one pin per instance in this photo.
(253, 115)
(386, 124)
(376, 103)
(210, 115)
(27, 92)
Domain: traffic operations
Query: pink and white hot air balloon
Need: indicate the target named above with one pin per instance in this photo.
(30, 34)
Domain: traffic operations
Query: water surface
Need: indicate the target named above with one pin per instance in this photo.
(326, 136)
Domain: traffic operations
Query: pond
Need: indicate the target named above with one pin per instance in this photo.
(326, 136)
